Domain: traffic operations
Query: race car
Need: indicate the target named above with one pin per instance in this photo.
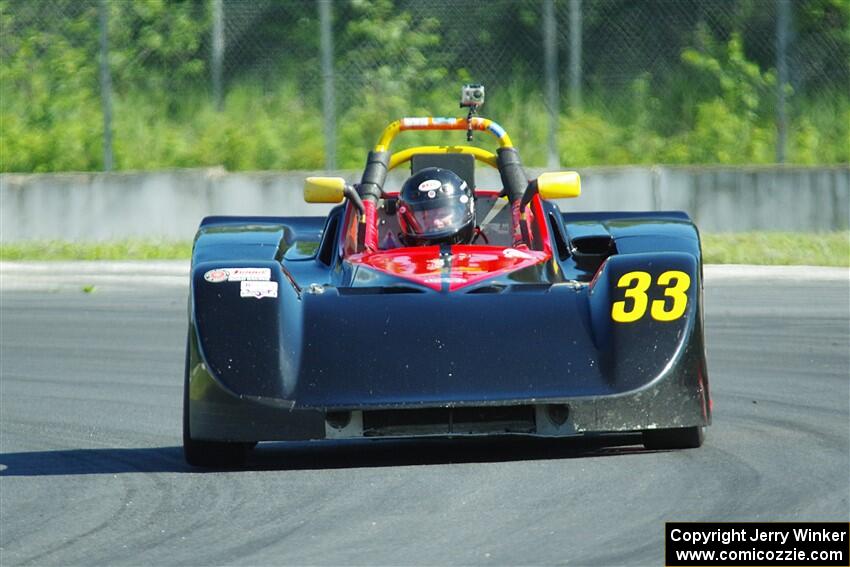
(439, 308)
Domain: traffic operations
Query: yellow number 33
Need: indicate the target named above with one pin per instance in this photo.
(675, 284)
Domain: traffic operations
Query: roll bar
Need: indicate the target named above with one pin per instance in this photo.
(435, 123)
(381, 160)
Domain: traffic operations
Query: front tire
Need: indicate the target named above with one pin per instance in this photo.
(208, 454)
(676, 438)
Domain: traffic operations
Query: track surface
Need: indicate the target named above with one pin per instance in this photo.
(91, 471)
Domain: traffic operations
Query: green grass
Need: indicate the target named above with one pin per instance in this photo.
(778, 248)
(136, 249)
(768, 248)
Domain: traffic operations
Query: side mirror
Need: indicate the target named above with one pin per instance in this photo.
(559, 185)
(331, 190)
(324, 189)
(553, 185)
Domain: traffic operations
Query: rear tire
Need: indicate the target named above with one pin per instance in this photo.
(208, 454)
(677, 438)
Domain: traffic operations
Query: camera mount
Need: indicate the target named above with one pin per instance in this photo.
(471, 97)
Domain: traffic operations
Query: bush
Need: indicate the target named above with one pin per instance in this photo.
(716, 107)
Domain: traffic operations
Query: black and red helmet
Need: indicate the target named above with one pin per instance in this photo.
(436, 206)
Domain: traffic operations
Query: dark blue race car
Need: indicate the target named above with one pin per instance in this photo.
(439, 308)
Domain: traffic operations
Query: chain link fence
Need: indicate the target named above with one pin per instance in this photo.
(259, 84)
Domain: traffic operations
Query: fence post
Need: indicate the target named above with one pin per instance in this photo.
(217, 51)
(550, 57)
(105, 85)
(575, 55)
(328, 104)
(783, 24)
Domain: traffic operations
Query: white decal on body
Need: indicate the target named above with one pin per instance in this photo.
(238, 275)
(257, 289)
(449, 279)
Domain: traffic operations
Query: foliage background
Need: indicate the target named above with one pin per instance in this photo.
(691, 81)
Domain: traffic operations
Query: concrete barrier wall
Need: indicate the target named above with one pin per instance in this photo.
(169, 204)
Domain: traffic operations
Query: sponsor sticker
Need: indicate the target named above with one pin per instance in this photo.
(216, 276)
(443, 120)
(514, 253)
(238, 275)
(257, 289)
(430, 185)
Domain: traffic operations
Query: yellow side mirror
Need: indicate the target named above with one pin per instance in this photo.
(324, 189)
(559, 185)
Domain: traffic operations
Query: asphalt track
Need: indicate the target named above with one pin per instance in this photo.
(91, 472)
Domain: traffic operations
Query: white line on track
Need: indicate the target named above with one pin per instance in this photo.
(715, 272)
(111, 276)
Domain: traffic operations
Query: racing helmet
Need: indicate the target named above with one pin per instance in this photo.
(436, 206)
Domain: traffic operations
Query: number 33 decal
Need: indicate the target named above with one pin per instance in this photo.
(675, 285)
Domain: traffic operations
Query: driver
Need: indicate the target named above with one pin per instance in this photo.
(435, 206)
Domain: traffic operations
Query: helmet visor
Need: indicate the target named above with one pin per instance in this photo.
(436, 219)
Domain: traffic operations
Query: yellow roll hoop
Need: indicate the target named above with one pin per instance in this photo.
(404, 155)
(432, 123)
